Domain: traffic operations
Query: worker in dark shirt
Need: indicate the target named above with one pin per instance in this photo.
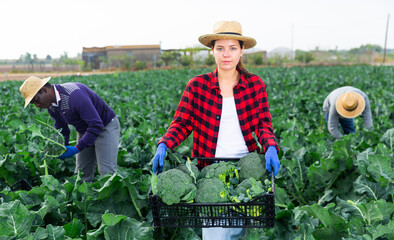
(96, 123)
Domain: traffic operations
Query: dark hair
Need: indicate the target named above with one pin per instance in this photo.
(240, 64)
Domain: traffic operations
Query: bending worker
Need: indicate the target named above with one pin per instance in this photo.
(342, 105)
(96, 124)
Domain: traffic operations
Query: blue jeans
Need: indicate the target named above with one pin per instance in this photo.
(219, 233)
(347, 124)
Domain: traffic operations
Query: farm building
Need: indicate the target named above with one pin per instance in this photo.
(96, 56)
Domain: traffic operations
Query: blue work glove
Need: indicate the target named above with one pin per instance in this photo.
(271, 158)
(71, 151)
(158, 159)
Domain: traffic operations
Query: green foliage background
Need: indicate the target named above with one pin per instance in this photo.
(325, 188)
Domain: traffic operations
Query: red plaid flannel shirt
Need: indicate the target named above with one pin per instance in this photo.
(200, 110)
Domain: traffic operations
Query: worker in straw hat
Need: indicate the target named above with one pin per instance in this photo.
(342, 105)
(96, 124)
(223, 109)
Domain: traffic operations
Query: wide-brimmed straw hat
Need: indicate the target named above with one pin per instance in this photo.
(31, 86)
(350, 104)
(227, 30)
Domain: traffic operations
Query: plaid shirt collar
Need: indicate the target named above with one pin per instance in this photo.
(214, 83)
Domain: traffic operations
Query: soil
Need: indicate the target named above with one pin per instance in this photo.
(24, 76)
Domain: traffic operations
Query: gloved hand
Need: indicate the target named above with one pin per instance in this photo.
(158, 159)
(70, 151)
(271, 158)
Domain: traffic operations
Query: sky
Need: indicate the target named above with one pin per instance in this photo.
(56, 27)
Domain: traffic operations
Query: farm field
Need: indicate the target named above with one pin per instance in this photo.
(325, 189)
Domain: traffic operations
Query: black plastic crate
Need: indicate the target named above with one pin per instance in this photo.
(257, 213)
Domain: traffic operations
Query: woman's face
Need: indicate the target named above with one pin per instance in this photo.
(227, 53)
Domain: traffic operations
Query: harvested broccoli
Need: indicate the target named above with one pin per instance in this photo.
(211, 190)
(174, 186)
(224, 171)
(250, 188)
(251, 165)
(194, 169)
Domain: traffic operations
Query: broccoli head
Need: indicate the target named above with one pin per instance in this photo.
(174, 186)
(224, 171)
(251, 165)
(211, 190)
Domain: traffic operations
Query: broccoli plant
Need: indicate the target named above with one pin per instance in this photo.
(174, 186)
(49, 139)
(46, 141)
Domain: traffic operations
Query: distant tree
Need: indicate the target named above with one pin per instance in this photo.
(140, 65)
(21, 59)
(303, 56)
(210, 60)
(255, 58)
(186, 60)
(48, 58)
(63, 57)
(169, 56)
(366, 48)
(35, 59)
(27, 59)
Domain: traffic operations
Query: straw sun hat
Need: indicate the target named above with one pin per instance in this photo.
(350, 104)
(31, 86)
(227, 30)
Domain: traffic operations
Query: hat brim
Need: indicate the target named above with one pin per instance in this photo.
(33, 93)
(350, 114)
(207, 39)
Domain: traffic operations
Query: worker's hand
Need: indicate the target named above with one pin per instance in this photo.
(70, 151)
(272, 159)
(158, 159)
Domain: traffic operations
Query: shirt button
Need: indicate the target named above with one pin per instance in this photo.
(217, 117)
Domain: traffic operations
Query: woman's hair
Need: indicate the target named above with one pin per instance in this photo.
(240, 64)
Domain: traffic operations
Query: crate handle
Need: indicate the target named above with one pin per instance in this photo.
(272, 180)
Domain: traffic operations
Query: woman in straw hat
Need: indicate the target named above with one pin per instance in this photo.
(95, 122)
(223, 108)
(342, 105)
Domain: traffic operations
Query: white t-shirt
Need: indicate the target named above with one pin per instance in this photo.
(231, 143)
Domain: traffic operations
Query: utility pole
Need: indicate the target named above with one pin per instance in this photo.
(385, 41)
(292, 39)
